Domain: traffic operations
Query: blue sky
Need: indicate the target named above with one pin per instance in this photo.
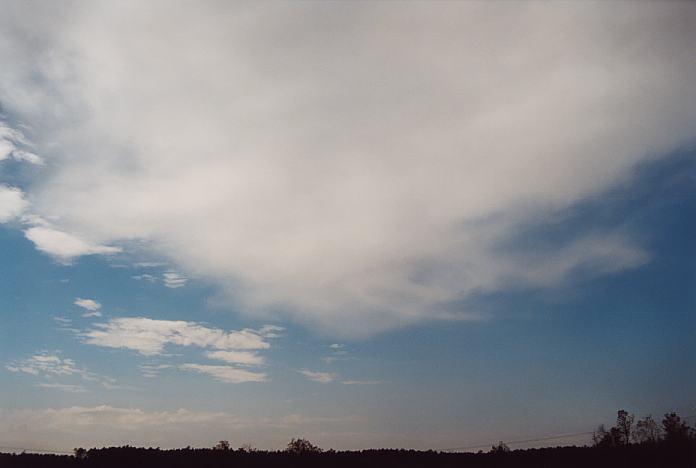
(364, 238)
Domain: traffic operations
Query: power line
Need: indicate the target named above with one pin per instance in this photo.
(27, 449)
(513, 442)
(538, 439)
(467, 447)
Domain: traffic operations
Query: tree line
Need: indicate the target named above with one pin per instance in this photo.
(630, 443)
(645, 431)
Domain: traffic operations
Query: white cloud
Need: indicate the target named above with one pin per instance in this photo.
(321, 377)
(12, 203)
(271, 331)
(174, 280)
(152, 371)
(88, 304)
(11, 141)
(64, 246)
(145, 277)
(357, 179)
(47, 365)
(227, 374)
(361, 382)
(237, 357)
(149, 337)
(149, 264)
(337, 346)
(170, 279)
(27, 156)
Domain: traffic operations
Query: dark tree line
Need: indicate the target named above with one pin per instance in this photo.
(630, 443)
(673, 430)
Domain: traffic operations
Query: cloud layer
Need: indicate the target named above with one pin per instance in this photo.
(149, 337)
(354, 166)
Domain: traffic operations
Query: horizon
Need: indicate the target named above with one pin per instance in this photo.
(370, 225)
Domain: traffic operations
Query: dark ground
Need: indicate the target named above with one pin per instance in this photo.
(659, 455)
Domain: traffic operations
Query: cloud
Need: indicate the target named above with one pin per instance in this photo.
(12, 203)
(149, 337)
(105, 425)
(321, 377)
(271, 331)
(361, 382)
(174, 280)
(145, 277)
(122, 418)
(227, 374)
(63, 387)
(47, 365)
(152, 371)
(353, 178)
(64, 246)
(237, 357)
(89, 304)
(11, 141)
(170, 279)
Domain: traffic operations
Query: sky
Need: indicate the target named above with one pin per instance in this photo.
(421, 225)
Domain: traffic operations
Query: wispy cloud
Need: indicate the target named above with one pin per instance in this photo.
(12, 142)
(145, 277)
(170, 279)
(90, 305)
(63, 387)
(64, 246)
(152, 371)
(237, 357)
(46, 365)
(174, 280)
(361, 382)
(227, 374)
(149, 337)
(321, 377)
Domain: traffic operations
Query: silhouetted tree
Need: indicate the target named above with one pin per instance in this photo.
(599, 436)
(675, 429)
(302, 446)
(222, 445)
(247, 448)
(624, 424)
(501, 447)
(604, 438)
(80, 453)
(647, 431)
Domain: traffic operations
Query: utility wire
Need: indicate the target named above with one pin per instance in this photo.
(538, 439)
(27, 449)
(513, 442)
(451, 449)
